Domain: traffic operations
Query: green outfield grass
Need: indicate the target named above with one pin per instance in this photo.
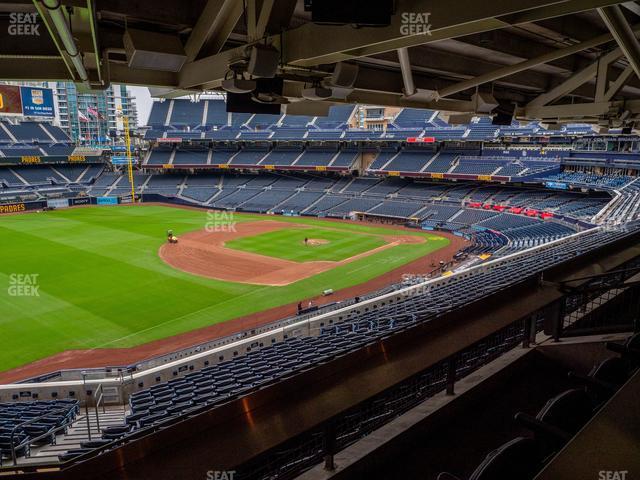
(100, 283)
(289, 244)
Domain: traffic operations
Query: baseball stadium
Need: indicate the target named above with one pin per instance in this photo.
(222, 276)
(314, 240)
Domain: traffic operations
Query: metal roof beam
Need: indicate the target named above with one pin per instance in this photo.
(615, 86)
(575, 80)
(216, 22)
(576, 111)
(519, 67)
(311, 45)
(623, 33)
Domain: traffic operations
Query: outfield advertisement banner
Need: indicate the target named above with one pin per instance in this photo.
(107, 200)
(58, 203)
(87, 152)
(37, 102)
(80, 201)
(26, 101)
(21, 207)
(36, 160)
(557, 185)
(123, 160)
(13, 208)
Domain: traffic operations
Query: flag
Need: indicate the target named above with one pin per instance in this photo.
(95, 113)
(82, 116)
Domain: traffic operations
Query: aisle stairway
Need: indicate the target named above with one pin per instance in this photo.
(77, 433)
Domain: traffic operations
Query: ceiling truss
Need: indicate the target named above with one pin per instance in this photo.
(556, 60)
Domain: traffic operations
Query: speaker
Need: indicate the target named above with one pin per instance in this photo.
(244, 103)
(263, 61)
(372, 13)
(239, 85)
(503, 114)
(317, 93)
(344, 75)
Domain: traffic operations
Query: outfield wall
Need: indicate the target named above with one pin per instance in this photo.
(50, 160)
(19, 207)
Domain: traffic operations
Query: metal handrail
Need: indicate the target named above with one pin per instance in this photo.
(30, 440)
(99, 396)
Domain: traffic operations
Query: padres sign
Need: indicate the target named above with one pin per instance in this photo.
(13, 208)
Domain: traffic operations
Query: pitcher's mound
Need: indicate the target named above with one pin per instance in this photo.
(316, 241)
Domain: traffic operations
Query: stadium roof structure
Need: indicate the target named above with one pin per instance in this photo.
(556, 60)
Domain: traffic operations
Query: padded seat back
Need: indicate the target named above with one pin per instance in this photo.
(633, 342)
(517, 459)
(612, 370)
(568, 411)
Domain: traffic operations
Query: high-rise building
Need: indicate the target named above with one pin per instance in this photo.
(93, 118)
(373, 117)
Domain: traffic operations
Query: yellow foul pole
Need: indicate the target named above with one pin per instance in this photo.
(127, 141)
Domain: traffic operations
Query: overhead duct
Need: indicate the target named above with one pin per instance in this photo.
(153, 51)
(59, 21)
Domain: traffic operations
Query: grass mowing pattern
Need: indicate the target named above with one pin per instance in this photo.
(102, 284)
(288, 244)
